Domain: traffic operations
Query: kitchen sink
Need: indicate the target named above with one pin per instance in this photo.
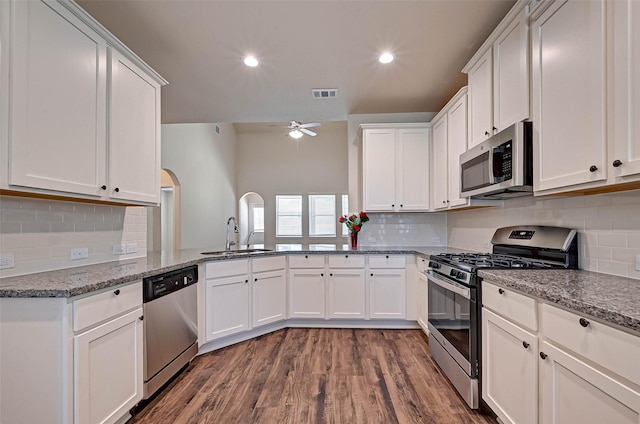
(234, 252)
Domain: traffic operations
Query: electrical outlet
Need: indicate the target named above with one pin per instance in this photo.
(79, 253)
(637, 262)
(132, 247)
(7, 261)
(119, 249)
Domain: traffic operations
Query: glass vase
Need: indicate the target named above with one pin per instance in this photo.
(354, 240)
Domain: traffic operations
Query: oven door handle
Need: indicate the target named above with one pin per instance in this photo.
(448, 285)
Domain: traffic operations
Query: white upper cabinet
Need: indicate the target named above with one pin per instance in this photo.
(77, 101)
(439, 163)
(395, 167)
(58, 100)
(569, 94)
(499, 77)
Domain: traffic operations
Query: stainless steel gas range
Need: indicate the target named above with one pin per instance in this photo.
(455, 295)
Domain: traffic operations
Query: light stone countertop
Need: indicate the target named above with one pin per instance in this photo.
(78, 281)
(607, 297)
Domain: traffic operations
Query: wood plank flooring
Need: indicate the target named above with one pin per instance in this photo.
(300, 376)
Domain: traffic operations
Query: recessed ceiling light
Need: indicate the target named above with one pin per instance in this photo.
(295, 134)
(251, 61)
(386, 57)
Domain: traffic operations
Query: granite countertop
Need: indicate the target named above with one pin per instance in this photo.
(607, 297)
(78, 281)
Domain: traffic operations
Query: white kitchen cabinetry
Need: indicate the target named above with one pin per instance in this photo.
(269, 297)
(227, 298)
(307, 286)
(510, 369)
(347, 288)
(395, 167)
(73, 85)
(449, 142)
(499, 77)
(387, 287)
(423, 302)
(80, 358)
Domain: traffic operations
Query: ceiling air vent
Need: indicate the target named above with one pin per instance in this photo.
(324, 93)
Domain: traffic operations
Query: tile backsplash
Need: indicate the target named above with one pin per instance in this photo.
(608, 227)
(41, 233)
(406, 229)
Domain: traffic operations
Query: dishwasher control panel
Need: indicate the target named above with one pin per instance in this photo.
(163, 284)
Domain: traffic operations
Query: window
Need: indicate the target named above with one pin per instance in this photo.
(345, 211)
(322, 215)
(288, 216)
(257, 217)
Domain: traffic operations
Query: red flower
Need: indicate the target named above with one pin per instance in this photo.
(363, 215)
(353, 217)
(341, 219)
(356, 228)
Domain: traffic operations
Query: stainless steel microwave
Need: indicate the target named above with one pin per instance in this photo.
(500, 167)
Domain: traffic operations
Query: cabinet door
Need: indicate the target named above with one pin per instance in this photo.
(457, 127)
(439, 164)
(423, 302)
(307, 294)
(481, 100)
(511, 73)
(269, 297)
(509, 370)
(347, 296)
(57, 111)
(387, 294)
(379, 169)
(108, 370)
(625, 113)
(573, 391)
(227, 307)
(134, 132)
(413, 170)
(568, 62)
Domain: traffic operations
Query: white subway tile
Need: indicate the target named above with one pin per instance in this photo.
(633, 240)
(613, 268)
(36, 227)
(10, 227)
(18, 215)
(598, 252)
(612, 239)
(621, 254)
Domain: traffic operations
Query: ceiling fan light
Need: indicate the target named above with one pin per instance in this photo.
(251, 61)
(295, 134)
(385, 57)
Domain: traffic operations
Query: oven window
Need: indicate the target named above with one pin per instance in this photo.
(475, 173)
(449, 314)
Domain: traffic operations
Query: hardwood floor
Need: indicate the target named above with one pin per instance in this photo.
(299, 376)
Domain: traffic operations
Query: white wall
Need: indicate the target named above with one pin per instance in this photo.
(608, 227)
(40, 233)
(270, 163)
(205, 164)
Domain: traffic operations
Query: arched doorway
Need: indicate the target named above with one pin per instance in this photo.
(164, 222)
(251, 219)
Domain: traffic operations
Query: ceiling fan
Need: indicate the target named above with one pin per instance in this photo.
(298, 129)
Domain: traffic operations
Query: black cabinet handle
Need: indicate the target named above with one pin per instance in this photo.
(393, 205)
(117, 292)
(401, 205)
(495, 129)
(255, 279)
(444, 201)
(116, 189)
(141, 318)
(346, 256)
(500, 291)
(616, 163)
(593, 168)
(306, 256)
(104, 187)
(525, 345)
(543, 355)
(322, 274)
(246, 281)
(372, 274)
(331, 275)
(387, 256)
(584, 322)
(487, 133)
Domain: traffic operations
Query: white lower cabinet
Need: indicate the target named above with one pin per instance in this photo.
(347, 294)
(510, 364)
(108, 370)
(423, 302)
(227, 306)
(387, 294)
(269, 297)
(307, 293)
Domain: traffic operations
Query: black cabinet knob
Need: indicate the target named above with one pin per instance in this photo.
(116, 189)
(487, 133)
(525, 345)
(393, 205)
(331, 275)
(255, 279)
(584, 322)
(543, 355)
(444, 201)
(372, 274)
(104, 187)
(141, 318)
(495, 129)
(401, 205)
(246, 281)
(346, 256)
(616, 163)
(322, 274)
(387, 256)
(593, 168)
(306, 256)
(117, 292)
(500, 291)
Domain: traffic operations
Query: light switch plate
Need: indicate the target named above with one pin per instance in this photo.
(119, 249)
(7, 261)
(79, 253)
(132, 247)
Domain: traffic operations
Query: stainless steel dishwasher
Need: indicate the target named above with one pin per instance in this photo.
(170, 325)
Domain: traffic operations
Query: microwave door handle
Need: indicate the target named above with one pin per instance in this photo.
(464, 292)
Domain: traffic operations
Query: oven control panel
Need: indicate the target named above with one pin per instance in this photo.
(521, 234)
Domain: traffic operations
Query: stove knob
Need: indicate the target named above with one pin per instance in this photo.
(461, 275)
(434, 265)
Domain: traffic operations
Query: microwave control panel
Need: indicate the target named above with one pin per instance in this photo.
(503, 162)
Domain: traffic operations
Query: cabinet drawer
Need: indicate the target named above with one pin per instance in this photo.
(306, 261)
(268, 264)
(608, 347)
(422, 263)
(386, 261)
(100, 307)
(511, 305)
(346, 261)
(226, 267)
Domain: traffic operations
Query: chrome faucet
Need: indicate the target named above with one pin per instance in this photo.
(230, 242)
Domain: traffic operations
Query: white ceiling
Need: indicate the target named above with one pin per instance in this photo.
(198, 46)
